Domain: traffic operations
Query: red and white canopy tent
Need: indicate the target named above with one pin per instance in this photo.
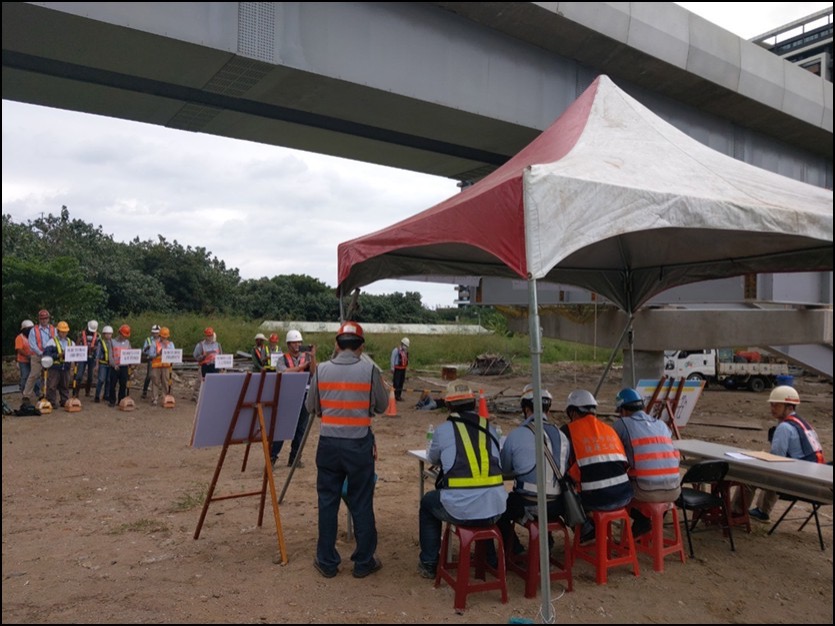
(610, 198)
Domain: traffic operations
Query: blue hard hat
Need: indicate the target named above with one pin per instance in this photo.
(629, 398)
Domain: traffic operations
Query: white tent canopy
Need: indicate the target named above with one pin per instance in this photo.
(610, 198)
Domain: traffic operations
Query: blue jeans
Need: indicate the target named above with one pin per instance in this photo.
(79, 376)
(103, 381)
(337, 459)
(431, 516)
(295, 446)
(25, 369)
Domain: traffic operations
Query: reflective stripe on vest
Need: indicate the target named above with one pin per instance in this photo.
(157, 360)
(288, 359)
(809, 443)
(474, 465)
(599, 452)
(52, 335)
(105, 360)
(654, 458)
(345, 403)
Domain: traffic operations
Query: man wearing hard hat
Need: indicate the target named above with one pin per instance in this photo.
(88, 338)
(38, 338)
(58, 383)
(146, 356)
(345, 392)
(103, 352)
(260, 353)
(295, 359)
(399, 363)
(23, 354)
(793, 437)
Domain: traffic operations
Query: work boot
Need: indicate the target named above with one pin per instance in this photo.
(96, 400)
(144, 395)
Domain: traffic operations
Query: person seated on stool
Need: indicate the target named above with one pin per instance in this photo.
(793, 437)
(464, 494)
(598, 460)
(653, 460)
(518, 458)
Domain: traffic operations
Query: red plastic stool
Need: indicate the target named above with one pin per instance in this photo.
(654, 542)
(457, 572)
(527, 565)
(605, 552)
(736, 519)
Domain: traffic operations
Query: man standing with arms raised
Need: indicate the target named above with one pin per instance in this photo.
(345, 392)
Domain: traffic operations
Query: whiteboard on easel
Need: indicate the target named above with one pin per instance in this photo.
(219, 396)
(690, 394)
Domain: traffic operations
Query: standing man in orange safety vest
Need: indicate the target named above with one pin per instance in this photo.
(345, 392)
(399, 364)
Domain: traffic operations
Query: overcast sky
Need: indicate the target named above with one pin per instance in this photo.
(239, 199)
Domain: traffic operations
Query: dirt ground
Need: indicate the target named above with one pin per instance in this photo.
(100, 509)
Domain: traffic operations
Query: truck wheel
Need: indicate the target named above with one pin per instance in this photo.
(698, 377)
(756, 384)
(729, 384)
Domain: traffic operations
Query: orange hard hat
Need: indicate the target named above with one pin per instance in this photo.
(124, 329)
(209, 331)
(164, 332)
(43, 314)
(274, 338)
(63, 327)
(350, 328)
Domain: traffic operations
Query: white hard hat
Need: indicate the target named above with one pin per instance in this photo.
(405, 341)
(107, 329)
(527, 393)
(46, 362)
(155, 328)
(26, 324)
(784, 395)
(293, 335)
(260, 336)
(581, 399)
(92, 326)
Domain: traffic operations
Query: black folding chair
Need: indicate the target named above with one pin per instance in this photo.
(815, 507)
(700, 502)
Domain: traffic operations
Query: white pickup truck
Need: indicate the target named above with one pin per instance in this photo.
(719, 366)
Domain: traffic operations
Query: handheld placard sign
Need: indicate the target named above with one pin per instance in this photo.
(224, 362)
(172, 355)
(130, 356)
(275, 359)
(75, 354)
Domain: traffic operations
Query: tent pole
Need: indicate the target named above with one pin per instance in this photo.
(626, 329)
(541, 508)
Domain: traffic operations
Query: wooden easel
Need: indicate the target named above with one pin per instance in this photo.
(658, 405)
(257, 432)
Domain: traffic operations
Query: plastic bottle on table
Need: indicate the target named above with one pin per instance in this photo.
(430, 434)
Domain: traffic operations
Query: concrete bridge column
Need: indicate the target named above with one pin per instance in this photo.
(648, 364)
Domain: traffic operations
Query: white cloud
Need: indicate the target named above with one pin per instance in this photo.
(262, 209)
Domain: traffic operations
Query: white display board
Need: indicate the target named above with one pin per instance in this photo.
(275, 359)
(130, 356)
(172, 355)
(219, 396)
(75, 354)
(690, 394)
(224, 361)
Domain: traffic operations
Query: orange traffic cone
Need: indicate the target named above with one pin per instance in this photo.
(391, 411)
(482, 405)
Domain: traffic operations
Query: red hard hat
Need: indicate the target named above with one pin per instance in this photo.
(209, 331)
(43, 314)
(350, 328)
(124, 329)
(274, 338)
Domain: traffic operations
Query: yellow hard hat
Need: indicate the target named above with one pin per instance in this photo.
(63, 327)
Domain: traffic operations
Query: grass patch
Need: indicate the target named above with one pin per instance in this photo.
(145, 526)
(192, 499)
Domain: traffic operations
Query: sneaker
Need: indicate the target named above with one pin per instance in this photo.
(757, 514)
(427, 570)
(376, 564)
(327, 573)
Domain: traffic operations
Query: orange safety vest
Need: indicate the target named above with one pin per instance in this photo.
(288, 359)
(157, 360)
(403, 360)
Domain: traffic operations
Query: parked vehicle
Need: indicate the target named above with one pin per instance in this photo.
(741, 370)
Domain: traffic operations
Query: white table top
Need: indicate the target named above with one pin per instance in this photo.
(800, 478)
